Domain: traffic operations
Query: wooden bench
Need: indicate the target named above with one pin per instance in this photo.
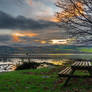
(78, 65)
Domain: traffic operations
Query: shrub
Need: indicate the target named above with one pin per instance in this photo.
(28, 65)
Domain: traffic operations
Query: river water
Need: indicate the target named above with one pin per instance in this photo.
(10, 65)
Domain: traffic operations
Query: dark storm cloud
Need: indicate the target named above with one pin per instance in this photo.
(20, 22)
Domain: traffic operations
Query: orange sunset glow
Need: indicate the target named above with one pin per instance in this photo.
(16, 36)
(43, 42)
(54, 19)
(49, 18)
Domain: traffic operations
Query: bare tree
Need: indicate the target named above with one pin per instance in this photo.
(77, 16)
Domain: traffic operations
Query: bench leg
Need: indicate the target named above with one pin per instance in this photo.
(90, 71)
(66, 82)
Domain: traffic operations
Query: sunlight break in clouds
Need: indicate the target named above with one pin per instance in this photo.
(61, 41)
(56, 41)
(43, 42)
(16, 36)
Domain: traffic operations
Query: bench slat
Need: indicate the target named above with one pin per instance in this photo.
(66, 71)
(83, 63)
(80, 63)
(74, 63)
(63, 70)
(90, 64)
(86, 63)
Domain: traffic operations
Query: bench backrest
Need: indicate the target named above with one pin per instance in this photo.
(82, 63)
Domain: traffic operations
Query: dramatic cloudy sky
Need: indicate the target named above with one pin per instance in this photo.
(30, 22)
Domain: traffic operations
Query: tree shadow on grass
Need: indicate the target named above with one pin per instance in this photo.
(77, 85)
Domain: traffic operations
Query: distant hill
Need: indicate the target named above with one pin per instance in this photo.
(46, 49)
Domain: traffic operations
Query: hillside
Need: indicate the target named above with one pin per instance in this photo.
(46, 49)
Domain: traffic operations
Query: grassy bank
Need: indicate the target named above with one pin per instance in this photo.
(41, 80)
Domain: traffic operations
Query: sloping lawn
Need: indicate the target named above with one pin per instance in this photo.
(41, 80)
(86, 50)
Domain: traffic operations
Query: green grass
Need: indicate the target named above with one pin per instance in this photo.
(41, 80)
(86, 50)
(83, 49)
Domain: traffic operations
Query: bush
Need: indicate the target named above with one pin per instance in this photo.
(28, 65)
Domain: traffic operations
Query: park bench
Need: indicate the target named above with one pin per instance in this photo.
(78, 65)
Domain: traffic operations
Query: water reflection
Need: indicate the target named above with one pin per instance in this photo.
(56, 61)
(12, 64)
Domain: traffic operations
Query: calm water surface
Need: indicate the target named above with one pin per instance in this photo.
(58, 61)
